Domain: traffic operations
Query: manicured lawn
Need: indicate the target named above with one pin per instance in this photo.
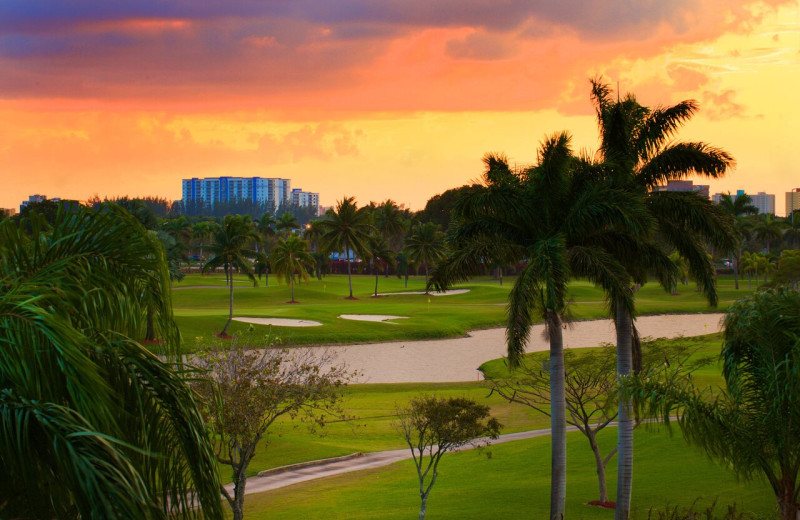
(202, 312)
(371, 415)
(373, 411)
(514, 483)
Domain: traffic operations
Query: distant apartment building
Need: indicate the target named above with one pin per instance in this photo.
(211, 190)
(305, 199)
(764, 202)
(36, 198)
(8, 212)
(682, 185)
(792, 201)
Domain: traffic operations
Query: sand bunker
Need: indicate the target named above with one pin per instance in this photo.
(382, 318)
(457, 359)
(279, 322)
(432, 293)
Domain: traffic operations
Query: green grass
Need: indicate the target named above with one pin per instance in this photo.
(202, 312)
(514, 483)
(372, 408)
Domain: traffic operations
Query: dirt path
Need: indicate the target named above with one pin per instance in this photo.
(282, 477)
(457, 359)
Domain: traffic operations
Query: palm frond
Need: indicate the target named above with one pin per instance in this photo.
(681, 160)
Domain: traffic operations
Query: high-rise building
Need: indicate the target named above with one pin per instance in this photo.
(227, 189)
(305, 199)
(792, 201)
(764, 202)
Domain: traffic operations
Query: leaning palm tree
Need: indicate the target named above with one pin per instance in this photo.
(291, 258)
(557, 218)
(737, 207)
(93, 425)
(426, 244)
(347, 229)
(230, 252)
(380, 253)
(639, 155)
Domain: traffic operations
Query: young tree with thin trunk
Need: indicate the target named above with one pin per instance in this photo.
(591, 387)
(247, 390)
(433, 426)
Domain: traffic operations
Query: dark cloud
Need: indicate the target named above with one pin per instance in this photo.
(227, 48)
(481, 46)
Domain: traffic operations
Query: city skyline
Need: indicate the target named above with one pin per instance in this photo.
(373, 100)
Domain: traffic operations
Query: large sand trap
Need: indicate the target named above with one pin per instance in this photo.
(432, 293)
(372, 317)
(457, 359)
(279, 322)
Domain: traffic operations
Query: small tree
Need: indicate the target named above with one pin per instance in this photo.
(433, 426)
(246, 391)
(591, 387)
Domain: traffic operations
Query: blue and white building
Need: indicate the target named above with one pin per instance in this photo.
(211, 190)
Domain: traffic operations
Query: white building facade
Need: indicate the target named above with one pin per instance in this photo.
(305, 199)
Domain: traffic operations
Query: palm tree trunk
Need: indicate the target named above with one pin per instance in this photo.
(558, 418)
(426, 276)
(230, 310)
(292, 288)
(349, 275)
(624, 420)
(376, 283)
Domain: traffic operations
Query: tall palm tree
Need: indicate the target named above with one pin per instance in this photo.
(92, 425)
(202, 232)
(286, 224)
(390, 222)
(230, 252)
(426, 244)
(639, 154)
(380, 253)
(792, 233)
(265, 227)
(769, 229)
(557, 218)
(347, 228)
(737, 207)
(291, 258)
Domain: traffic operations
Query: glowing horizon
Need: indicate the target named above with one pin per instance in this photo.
(373, 100)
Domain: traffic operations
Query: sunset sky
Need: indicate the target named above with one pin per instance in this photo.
(374, 98)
